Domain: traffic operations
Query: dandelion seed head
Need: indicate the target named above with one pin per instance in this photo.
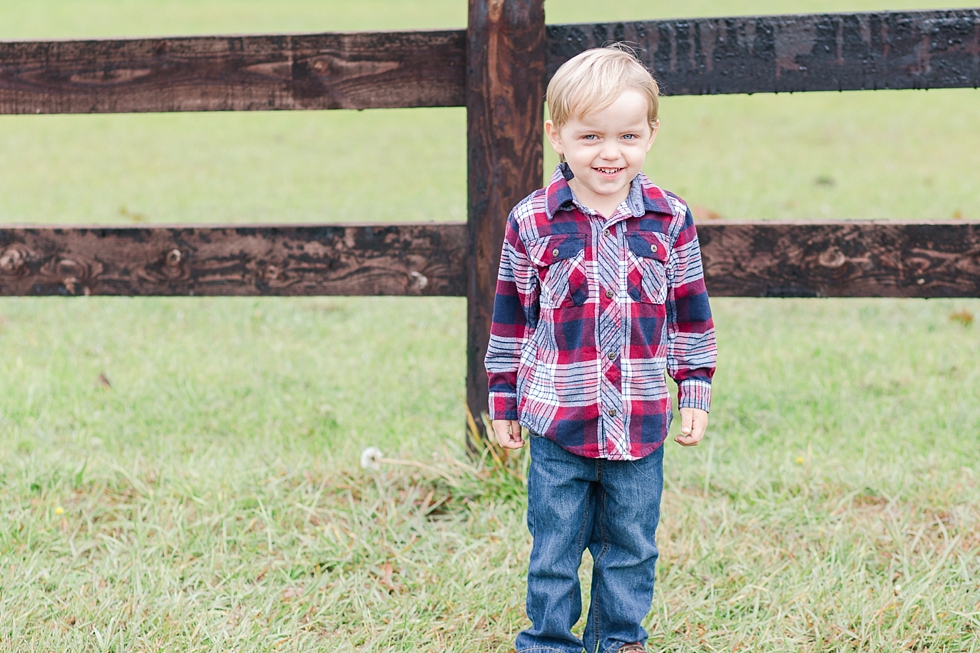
(371, 458)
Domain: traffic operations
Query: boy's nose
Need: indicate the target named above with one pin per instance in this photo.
(609, 152)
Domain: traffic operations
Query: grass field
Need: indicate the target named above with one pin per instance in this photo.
(211, 497)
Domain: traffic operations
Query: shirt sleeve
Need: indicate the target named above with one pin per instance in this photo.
(515, 316)
(691, 350)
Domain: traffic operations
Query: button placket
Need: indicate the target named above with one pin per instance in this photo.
(602, 246)
(609, 334)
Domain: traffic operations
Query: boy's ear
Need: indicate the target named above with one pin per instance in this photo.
(553, 137)
(654, 128)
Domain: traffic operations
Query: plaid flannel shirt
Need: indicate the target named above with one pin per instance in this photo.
(589, 314)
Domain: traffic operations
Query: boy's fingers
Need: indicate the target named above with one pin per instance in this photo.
(694, 423)
(513, 441)
(687, 421)
(500, 432)
(516, 440)
(687, 440)
(700, 428)
(508, 434)
(700, 424)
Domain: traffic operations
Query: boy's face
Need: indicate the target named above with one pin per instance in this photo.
(605, 150)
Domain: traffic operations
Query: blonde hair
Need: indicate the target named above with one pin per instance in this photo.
(594, 79)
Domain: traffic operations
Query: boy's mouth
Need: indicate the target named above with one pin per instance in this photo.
(609, 172)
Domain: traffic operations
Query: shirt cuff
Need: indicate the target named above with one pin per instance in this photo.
(694, 393)
(503, 405)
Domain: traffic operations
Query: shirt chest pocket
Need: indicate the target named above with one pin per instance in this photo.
(646, 268)
(560, 264)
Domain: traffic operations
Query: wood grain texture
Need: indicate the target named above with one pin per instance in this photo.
(234, 73)
(842, 259)
(821, 52)
(413, 260)
(896, 50)
(761, 259)
(505, 114)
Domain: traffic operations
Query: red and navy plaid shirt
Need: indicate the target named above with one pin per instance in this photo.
(589, 314)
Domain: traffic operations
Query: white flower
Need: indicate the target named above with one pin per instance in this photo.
(371, 458)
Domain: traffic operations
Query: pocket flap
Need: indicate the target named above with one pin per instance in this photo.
(545, 251)
(647, 245)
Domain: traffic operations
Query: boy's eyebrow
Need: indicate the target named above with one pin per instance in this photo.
(632, 129)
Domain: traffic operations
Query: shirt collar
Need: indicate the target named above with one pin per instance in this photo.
(644, 196)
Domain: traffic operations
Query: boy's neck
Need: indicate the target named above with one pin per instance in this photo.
(604, 205)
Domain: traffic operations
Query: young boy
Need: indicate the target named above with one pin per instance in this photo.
(600, 292)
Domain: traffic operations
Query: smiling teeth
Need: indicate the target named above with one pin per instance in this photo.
(609, 171)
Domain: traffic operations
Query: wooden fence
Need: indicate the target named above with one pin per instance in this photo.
(498, 68)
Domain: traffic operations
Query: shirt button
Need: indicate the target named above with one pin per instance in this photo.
(612, 412)
(555, 251)
(606, 232)
(609, 294)
(612, 355)
(653, 248)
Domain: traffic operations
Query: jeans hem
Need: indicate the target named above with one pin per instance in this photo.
(615, 647)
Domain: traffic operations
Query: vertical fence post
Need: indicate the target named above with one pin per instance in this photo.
(505, 68)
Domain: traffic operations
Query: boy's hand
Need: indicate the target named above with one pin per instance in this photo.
(508, 433)
(694, 422)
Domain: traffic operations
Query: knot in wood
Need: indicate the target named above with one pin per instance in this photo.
(174, 257)
(419, 280)
(271, 272)
(11, 260)
(71, 285)
(495, 10)
(832, 258)
(70, 270)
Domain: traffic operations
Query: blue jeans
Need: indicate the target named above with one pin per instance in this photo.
(611, 508)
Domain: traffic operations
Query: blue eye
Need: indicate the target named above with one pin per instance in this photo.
(589, 137)
(630, 136)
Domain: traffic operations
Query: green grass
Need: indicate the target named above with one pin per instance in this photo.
(212, 499)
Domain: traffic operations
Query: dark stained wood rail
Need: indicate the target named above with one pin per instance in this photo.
(770, 259)
(409, 259)
(842, 259)
(504, 116)
(756, 54)
(234, 73)
(778, 54)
